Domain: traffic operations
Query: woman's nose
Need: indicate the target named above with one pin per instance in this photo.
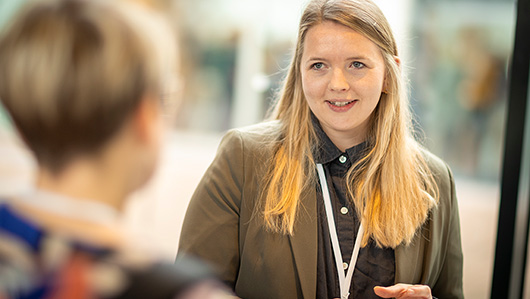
(338, 81)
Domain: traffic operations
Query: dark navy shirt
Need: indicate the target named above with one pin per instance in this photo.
(375, 266)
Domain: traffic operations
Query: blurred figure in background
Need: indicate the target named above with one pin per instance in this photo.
(480, 92)
(83, 83)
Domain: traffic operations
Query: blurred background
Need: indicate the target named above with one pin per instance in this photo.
(234, 55)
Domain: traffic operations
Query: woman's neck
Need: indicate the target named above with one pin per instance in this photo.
(344, 140)
(84, 180)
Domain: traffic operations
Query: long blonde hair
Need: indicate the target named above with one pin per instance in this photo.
(391, 187)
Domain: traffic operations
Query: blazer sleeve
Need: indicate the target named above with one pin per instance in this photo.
(210, 230)
(450, 281)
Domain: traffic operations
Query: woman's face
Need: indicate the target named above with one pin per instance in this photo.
(342, 79)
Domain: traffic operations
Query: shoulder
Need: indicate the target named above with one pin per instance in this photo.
(265, 131)
(263, 128)
(435, 164)
(441, 172)
(259, 138)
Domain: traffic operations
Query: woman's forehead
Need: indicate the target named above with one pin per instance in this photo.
(332, 40)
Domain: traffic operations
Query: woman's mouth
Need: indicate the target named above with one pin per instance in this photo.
(341, 106)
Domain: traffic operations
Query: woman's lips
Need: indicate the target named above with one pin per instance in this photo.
(341, 106)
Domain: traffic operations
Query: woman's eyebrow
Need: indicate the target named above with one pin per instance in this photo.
(316, 59)
(360, 57)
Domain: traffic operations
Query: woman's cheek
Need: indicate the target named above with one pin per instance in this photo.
(313, 88)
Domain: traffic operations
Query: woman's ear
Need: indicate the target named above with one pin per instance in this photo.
(398, 60)
(385, 82)
(146, 119)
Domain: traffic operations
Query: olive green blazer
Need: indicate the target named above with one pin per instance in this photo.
(221, 227)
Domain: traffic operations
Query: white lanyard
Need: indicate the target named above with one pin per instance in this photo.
(344, 281)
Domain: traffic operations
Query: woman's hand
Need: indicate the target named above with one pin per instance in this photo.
(402, 291)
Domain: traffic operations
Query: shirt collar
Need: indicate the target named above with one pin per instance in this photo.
(327, 151)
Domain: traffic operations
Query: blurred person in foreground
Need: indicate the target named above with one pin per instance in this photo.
(83, 82)
(332, 198)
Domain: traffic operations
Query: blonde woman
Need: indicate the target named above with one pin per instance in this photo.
(82, 82)
(332, 198)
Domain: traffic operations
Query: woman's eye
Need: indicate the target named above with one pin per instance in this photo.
(317, 66)
(358, 65)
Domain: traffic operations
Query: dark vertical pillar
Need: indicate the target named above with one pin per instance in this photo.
(503, 274)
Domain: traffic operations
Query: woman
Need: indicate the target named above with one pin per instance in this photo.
(334, 182)
(82, 81)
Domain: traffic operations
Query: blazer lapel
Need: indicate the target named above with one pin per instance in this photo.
(304, 243)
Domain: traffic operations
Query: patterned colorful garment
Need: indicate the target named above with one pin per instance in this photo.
(35, 263)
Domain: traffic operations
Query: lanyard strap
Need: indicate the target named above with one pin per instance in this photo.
(344, 280)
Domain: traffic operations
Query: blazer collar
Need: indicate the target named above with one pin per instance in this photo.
(304, 243)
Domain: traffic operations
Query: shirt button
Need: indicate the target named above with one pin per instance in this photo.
(345, 266)
(344, 210)
(342, 159)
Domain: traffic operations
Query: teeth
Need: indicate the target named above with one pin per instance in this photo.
(340, 104)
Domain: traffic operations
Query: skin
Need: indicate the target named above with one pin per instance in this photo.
(340, 65)
(402, 291)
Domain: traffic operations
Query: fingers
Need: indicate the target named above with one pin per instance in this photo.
(393, 291)
(403, 291)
